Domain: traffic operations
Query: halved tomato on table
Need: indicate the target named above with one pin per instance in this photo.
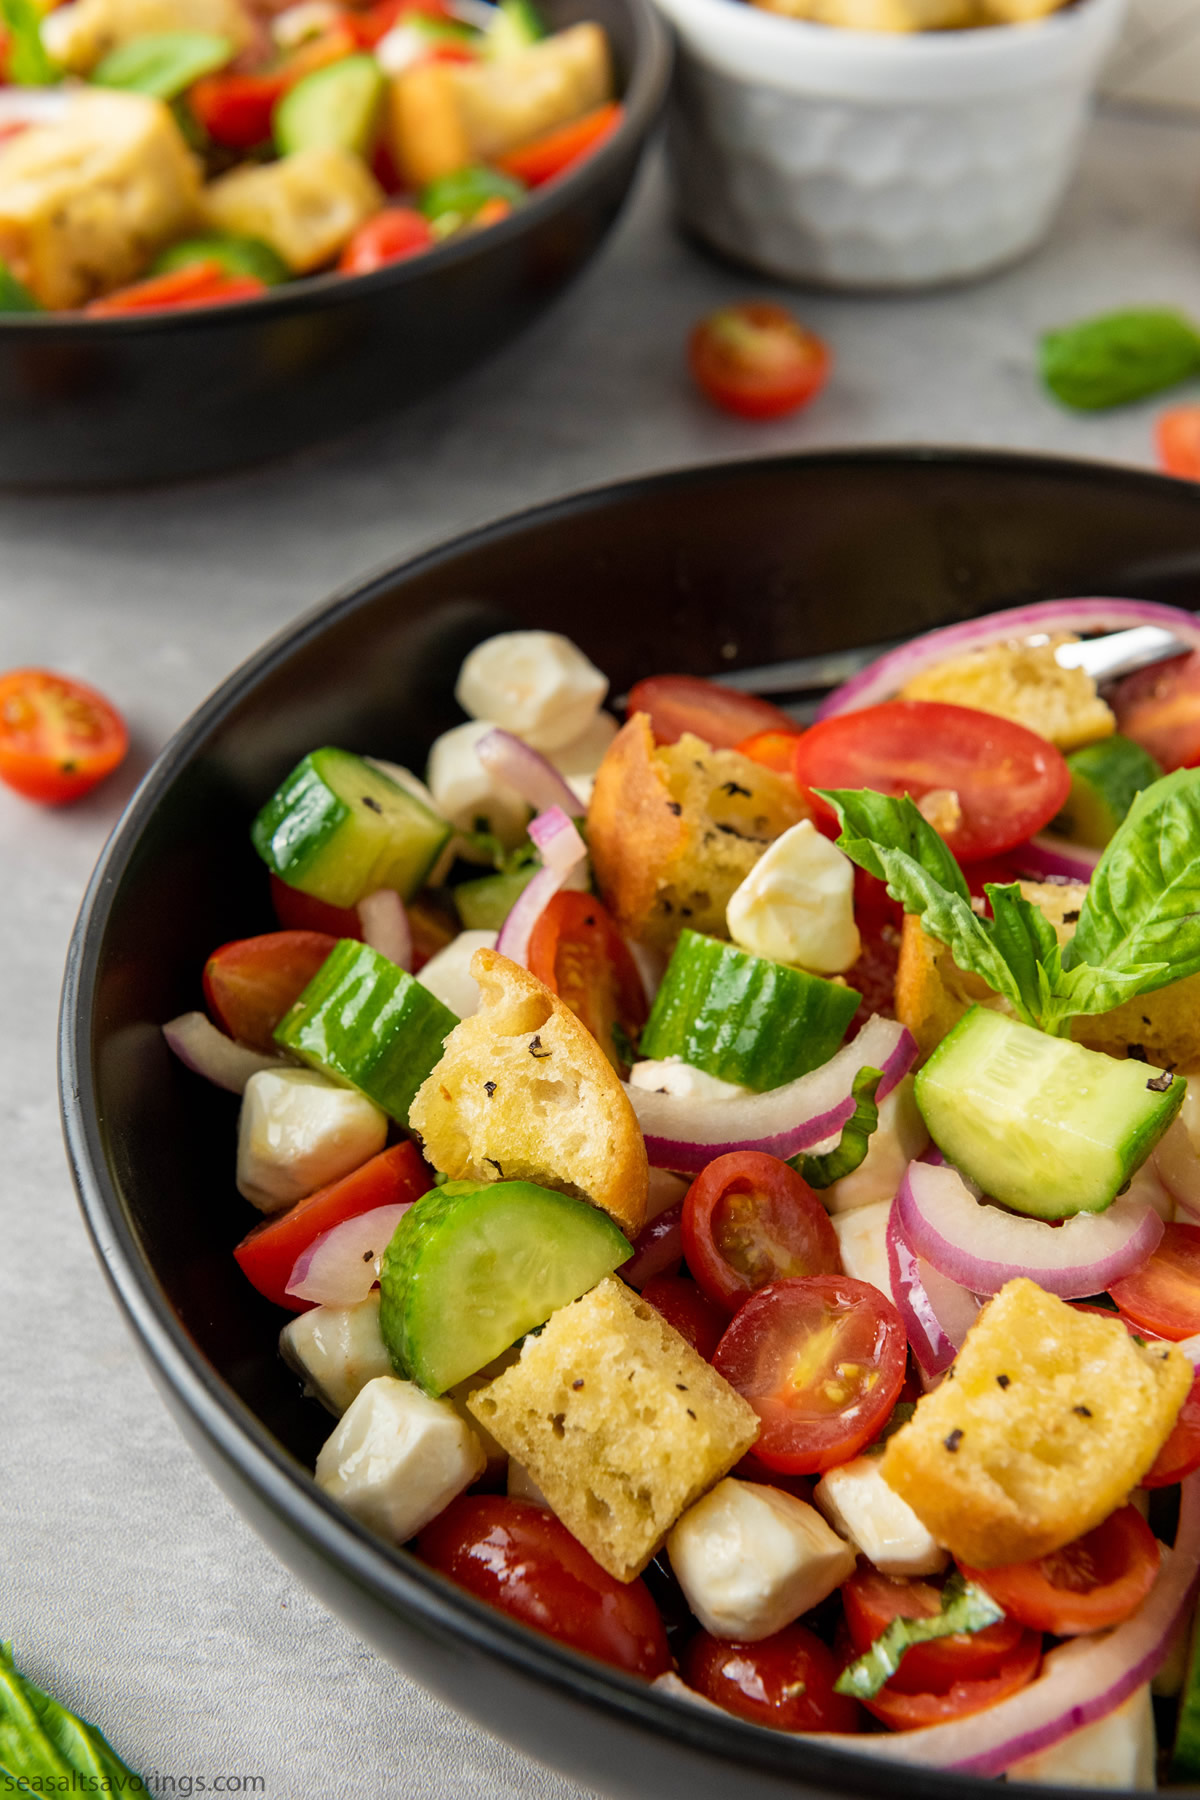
(873, 1600)
(250, 983)
(1096, 1581)
(722, 716)
(58, 737)
(749, 1219)
(1163, 1295)
(785, 1680)
(577, 951)
(754, 359)
(1159, 708)
(1001, 783)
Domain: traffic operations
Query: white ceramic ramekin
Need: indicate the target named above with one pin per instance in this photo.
(868, 160)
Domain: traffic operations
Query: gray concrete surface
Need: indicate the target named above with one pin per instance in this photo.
(127, 1583)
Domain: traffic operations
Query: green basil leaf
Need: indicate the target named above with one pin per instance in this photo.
(15, 297)
(1142, 909)
(1024, 937)
(39, 1740)
(965, 1607)
(901, 1414)
(870, 820)
(821, 1170)
(29, 62)
(163, 64)
(1118, 357)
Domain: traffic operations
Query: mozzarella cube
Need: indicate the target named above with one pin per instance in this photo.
(898, 1139)
(469, 795)
(672, 1076)
(80, 35)
(448, 974)
(297, 1132)
(397, 1458)
(862, 1240)
(797, 904)
(858, 1502)
(336, 1350)
(1118, 1751)
(306, 205)
(750, 1559)
(535, 684)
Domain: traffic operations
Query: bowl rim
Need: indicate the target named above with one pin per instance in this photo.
(642, 101)
(242, 1442)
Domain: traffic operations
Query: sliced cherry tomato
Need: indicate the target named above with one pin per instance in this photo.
(304, 912)
(392, 235)
(235, 110)
(773, 748)
(685, 1306)
(1088, 1585)
(1159, 708)
(199, 284)
(756, 360)
(785, 1680)
(722, 716)
(520, 1558)
(267, 1255)
(577, 951)
(250, 983)
(1180, 1455)
(1164, 1294)
(822, 1361)
(908, 1712)
(1177, 436)
(1009, 782)
(555, 152)
(748, 1219)
(873, 1600)
(58, 737)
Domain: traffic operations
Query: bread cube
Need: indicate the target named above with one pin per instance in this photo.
(397, 1458)
(751, 1558)
(1046, 1421)
(424, 124)
(858, 1502)
(516, 98)
(336, 1350)
(87, 201)
(80, 35)
(524, 1093)
(1021, 681)
(618, 1421)
(306, 206)
(673, 831)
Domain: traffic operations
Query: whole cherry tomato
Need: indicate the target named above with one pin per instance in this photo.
(1088, 1585)
(722, 716)
(748, 1219)
(250, 983)
(756, 360)
(58, 737)
(1177, 436)
(785, 1680)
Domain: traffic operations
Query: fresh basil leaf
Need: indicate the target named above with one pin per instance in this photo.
(870, 821)
(1024, 937)
(900, 1415)
(15, 297)
(1142, 909)
(29, 62)
(1070, 993)
(820, 1170)
(163, 64)
(623, 1044)
(40, 1740)
(965, 1607)
(1118, 357)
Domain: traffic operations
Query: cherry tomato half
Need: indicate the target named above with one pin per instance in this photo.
(1164, 1294)
(1177, 437)
(304, 912)
(1009, 781)
(392, 235)
(908, 1712)
(773, 748)
(873, 1600)
(748, 1219)
(577, 951)
(821, 1360)
(520, 1558)
(785, 1680)
(756, 360)
(250, 983)
(1092, 1583)
(685, 1306)
(721, 716)
(1159, 708)
(58, 738)
(1180, 1455)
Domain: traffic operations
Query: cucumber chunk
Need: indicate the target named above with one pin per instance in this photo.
(744, 1018)
(515, 27)
(483, 905)
(367, 1023)
(334, 108)
(339, 828)
(236, 255)
(471, 1269)
(1040, 1123)
(1106, 779)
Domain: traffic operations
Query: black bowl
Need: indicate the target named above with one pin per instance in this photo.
(86, 402)
(700, 571)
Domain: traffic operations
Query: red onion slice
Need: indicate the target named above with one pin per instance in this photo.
(1048, 858)
(197, 1043)
(937, 1312)
(657, 1248)
(340, 1267)
(527, 771)
(981, 1246)
(806, 1114)
(884, 678)
(385, 927)
(562, 850)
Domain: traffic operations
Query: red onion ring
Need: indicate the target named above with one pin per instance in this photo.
(201, 1047)
(884, 678)
(1049, 858)
(981, 1246)
(657, 1248)
(341, 1266)
(937, 1312)
(385, 927)
(528, 772)
(562, 850)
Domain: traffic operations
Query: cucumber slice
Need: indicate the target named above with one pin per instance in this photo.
(744, 1018)
(484, 905)
(334, 108)
(515, 27)
(1106, 779)
(369, 1024)
(471, 1269)
(1040, 1123)
(236, 255)
(339, 828)
(15, 297)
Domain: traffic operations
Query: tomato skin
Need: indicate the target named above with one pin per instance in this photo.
(772, 748)
(556, 151)
(686, 1307)
(722, 716)
(749, 1219)
(815, 1417)
(577, 951)
(522, 1560)
(235, 110)
(1010, 782)
(785, 1680)
(250, 983)
(1163, 1296)
(393, 235)
(754, 359)
(58, 737)
(1177, 439)
(267, 1255)
(908, 1712)
(304, 912)
(204, 283)
(873, 1600)
(1088, 1585)
(1180, 1455)
(1159, 708)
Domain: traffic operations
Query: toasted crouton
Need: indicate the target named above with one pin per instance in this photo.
(511, 100)
(673, 831)
(524, 1093)
(1049, 1419)
(618, 1421)
(305, 205)
(1021, 681)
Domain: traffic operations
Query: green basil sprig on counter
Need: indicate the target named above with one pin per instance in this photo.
(43, 1746)
(965, 1607)
(1119, 357)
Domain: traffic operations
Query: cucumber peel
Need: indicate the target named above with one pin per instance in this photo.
(1106, 779)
